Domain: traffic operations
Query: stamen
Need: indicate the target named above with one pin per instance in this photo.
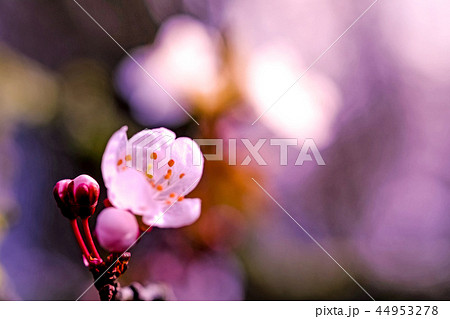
(182, 175)
(168, 202)
(119, 162)
(172, 195)
(171, 163)
(154, 156)
(180, 198)
(159, 187)
(128, 158)
(169, 173)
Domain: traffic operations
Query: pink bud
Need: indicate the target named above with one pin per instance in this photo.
(62, 199)
(116, 229)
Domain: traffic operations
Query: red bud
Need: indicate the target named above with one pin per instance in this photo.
(61, 197)
(77, 197)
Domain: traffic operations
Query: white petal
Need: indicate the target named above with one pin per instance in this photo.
(180, 214)
(144, 144)
(187, 168)
(130, 190)
(114, 152)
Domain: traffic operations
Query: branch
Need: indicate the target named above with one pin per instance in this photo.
(106, 274)
(150, 292)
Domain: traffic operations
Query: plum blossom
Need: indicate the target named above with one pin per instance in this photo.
(184, 59)
(307, 109)
(150, 174)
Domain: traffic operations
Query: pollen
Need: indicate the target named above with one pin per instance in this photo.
(159, 187)
(119, 162)
(171, 163)
(154, 156)
(182, 175)
(128, 158)
(169, 173)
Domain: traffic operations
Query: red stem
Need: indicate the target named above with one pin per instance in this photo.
(76, 231)
(90, 242)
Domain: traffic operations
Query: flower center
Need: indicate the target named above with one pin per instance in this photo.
(158, 178)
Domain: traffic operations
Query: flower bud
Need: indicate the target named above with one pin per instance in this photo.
(77, 197)
(62, 199)
(116, 229)
(83, 195)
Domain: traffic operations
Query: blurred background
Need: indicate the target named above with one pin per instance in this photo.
(377, 106)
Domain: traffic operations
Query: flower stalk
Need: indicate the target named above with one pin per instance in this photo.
(90, 241)
(79, 238)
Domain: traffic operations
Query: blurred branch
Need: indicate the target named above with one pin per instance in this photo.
(150, 292)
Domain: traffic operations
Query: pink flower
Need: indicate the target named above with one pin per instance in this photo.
(150, 174)
(306, 110)
(184, 59)
(116, 229)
